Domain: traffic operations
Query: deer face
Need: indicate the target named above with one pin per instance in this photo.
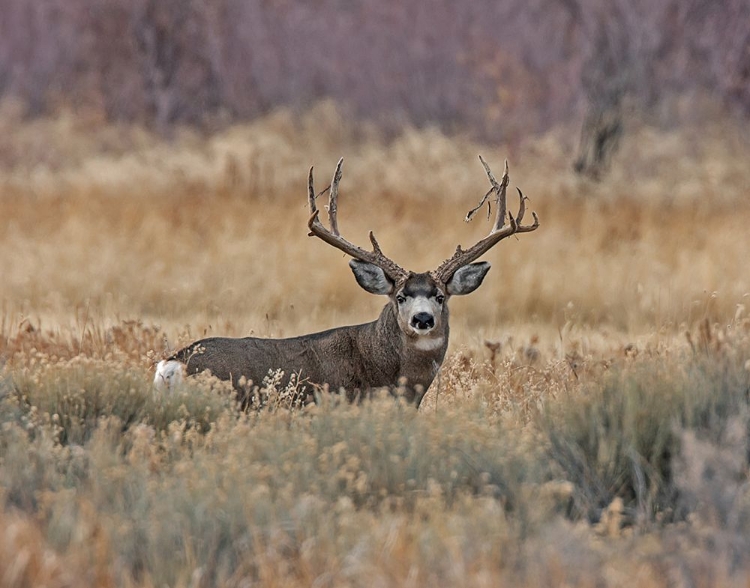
(421, 307)
(421, 300)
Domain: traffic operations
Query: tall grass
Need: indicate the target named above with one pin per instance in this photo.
(185, 489)
(210, 233)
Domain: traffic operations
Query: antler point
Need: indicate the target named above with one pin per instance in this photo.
(313, 218)
(333, 237)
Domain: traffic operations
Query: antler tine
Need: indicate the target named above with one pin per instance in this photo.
(529, 228)
(499, 229)
(521, 211)
(521, 206)
(375, 245)
(333, 198)
(334, 238)
(478, 207)
(500, 190)
(311, 193)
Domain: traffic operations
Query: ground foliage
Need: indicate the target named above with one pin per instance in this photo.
(589, 426)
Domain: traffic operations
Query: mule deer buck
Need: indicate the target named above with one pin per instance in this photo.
(402, 350)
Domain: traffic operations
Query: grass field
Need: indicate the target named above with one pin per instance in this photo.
(589, 426)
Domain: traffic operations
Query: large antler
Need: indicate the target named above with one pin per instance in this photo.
(333, 237)
(499, 231)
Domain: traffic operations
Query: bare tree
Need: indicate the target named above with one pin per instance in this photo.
(501, 69)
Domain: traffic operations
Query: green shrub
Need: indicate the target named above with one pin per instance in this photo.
(620, 436)
(72, 395)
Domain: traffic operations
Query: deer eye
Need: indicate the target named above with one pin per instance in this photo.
(400, 299)
(440, 298)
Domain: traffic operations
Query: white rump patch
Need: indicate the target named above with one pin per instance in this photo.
(169, 373)
(429, 343)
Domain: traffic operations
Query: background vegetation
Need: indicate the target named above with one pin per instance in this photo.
(590, 424)
(502, 70)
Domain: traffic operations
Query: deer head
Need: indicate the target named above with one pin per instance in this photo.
(420, 299)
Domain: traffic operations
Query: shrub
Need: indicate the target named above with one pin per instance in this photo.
(620, 438)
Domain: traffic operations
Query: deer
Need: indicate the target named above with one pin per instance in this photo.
(401, 351)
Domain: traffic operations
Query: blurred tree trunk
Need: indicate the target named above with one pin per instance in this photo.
(601, 132)
(498, 69)
(607, 77)
(156, 32)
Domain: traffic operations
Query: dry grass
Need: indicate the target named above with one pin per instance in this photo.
(211, 233)
(575, 434)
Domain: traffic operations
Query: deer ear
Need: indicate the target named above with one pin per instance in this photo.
(467, 278)
(371, 277)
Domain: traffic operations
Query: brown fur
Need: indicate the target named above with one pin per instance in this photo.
(358, 359)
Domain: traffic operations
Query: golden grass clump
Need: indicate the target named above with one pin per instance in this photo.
(26, 561)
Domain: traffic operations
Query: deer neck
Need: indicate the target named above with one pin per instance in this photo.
(415, 353)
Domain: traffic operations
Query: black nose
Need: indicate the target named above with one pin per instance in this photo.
(423, 320)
